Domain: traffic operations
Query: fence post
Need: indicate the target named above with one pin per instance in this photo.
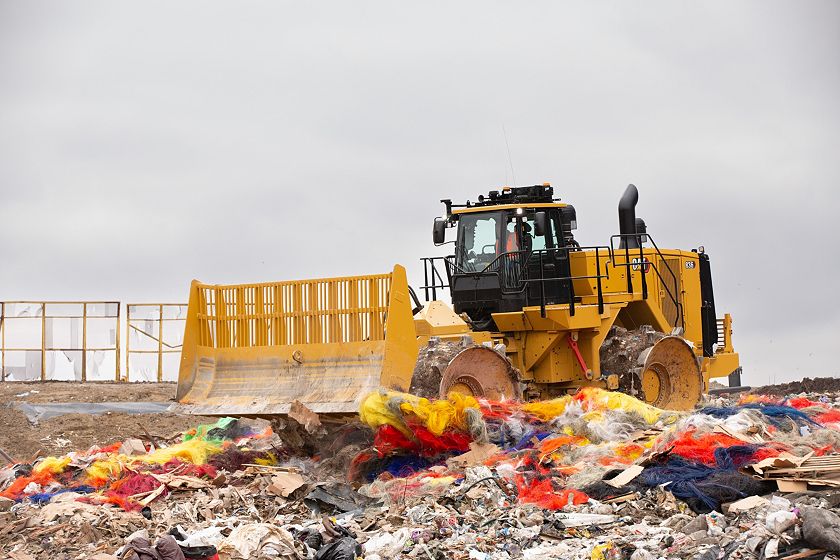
(3, 341)
(160, 343)
(43, 341)
(84, 342)
(127, 341)
(117, 347)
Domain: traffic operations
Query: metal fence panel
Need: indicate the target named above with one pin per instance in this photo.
(59, 340)
(154, 341)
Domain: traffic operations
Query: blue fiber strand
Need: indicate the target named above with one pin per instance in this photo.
(45, 497)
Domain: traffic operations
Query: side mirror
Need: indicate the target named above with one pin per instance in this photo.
(439, 232)
(540, 223)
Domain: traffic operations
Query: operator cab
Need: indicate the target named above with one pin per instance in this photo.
(511, 251)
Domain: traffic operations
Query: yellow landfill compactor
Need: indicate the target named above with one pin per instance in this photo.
(534, 315)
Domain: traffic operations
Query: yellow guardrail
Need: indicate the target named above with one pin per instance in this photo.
(255, 348)
(308, 312)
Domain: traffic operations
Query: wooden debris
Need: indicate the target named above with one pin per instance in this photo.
(810, 553)
(795, 474)
(6, 456)
(625, 476)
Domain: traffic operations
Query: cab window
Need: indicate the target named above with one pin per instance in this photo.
(479, 235)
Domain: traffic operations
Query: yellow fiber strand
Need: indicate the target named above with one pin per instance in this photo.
(620, 401)
(437, 416)
(195, 451)
(548, 410)
(271, 459)
(105, 469)
(374, 411)
(593, 400)
(55, 465)
(594, 416)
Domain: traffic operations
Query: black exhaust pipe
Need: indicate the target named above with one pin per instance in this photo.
(627, 218)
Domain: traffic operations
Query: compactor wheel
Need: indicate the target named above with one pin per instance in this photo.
(670, 375)
(482, 372)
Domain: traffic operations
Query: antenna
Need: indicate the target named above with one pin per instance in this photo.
(510, 160)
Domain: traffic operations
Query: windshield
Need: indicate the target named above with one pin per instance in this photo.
(478, 236)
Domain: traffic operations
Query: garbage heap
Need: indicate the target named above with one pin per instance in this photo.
(595, 475)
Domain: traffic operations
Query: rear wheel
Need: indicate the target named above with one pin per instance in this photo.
(671, 376)
(660, 370)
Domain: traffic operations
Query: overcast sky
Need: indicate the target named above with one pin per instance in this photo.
(146, 144)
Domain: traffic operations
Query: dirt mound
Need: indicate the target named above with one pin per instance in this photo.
(806, 385)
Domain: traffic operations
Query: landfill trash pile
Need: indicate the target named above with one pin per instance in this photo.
(596, 475)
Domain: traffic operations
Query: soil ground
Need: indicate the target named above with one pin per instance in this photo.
(71, 432)
(67, 391)
(807, 385)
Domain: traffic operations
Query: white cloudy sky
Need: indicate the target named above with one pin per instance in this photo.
(145, 144)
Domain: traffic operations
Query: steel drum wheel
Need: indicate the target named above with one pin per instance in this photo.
(481, 372)
(671, 377)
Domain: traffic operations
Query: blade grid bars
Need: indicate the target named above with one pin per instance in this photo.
(288, 313)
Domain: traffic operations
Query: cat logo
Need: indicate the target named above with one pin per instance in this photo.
(638, 261)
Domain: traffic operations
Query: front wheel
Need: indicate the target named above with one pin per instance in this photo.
(481, 372)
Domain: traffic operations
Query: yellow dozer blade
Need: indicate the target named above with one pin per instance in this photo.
(252, 349)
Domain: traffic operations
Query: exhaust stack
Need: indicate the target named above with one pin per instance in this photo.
(627, 218)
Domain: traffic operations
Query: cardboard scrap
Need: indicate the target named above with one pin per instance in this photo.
(283, 484)
(584, 519)
(625, 476)
(181, 481)
(132, 446)
(787, 485)
(795, 474)
(781, 461)
(747, 503)
(304, 416)
(641, 436)
(59, 509)
(478, 453)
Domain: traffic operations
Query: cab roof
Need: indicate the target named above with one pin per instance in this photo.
(534, 196)
(491, 208)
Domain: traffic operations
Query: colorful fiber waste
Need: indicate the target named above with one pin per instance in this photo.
(779, 415)
(548, 453)
(105, 476)
(549, 439)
